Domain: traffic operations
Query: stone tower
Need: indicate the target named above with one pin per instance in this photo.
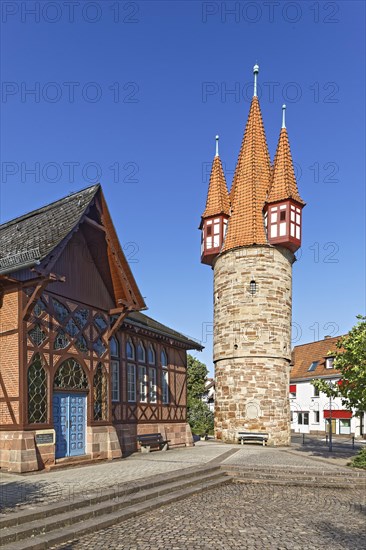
(249, 238)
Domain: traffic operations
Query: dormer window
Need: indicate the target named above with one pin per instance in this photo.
(329, 362)
(313, 366)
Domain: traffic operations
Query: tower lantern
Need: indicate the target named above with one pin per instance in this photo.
(283, 208)
(214, 219)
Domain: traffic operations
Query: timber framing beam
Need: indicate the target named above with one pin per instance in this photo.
(94, 224)
(111, 332)
(41, 285)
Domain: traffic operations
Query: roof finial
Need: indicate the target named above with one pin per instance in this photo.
(283, 116)
(255, 72)
(217, 146)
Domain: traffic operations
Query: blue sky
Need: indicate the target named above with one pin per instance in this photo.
(133, 93)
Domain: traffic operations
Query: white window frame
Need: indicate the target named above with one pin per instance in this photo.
(143, 386)
(153, 389)
(165, 386)
(131, 383)
(115, 381)
(329, 362)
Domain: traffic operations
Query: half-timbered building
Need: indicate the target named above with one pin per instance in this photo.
(83, 371)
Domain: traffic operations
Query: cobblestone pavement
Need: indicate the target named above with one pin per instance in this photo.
(243, 516)
(29, 490)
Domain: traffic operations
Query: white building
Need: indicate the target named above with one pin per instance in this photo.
(209, 396)
(311, 411)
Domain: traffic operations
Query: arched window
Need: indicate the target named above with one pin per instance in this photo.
(114, 347)
(70, 376)
(151, 355)
(37, 392)
(100, 387)
(163, 359)
(130, 350)
(141, 354)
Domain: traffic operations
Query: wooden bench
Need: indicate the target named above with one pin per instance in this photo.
(147, 441)
(253, 436)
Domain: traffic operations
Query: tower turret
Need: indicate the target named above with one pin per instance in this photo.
(283, 208)
(217, 211)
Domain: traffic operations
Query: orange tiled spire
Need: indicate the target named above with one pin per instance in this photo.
(218, 201)
(283, 182)
(251, 183)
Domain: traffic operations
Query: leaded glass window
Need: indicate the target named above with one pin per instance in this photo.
(81, 344)
(72, 328)
(99, 347)
(37, 392)
(100, 394)
(61, 340)
(61, 311)
(100, 322)
(70, 375)
(39, 308)
(37, 335)
(81, 317)
(151, 355)
(141, 353)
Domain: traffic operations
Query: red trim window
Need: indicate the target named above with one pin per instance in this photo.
(293, 390)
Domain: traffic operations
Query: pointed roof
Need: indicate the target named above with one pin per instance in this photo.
(283, 181)
(250, 185)
(38, 238)
(43, 229)
(218, 201)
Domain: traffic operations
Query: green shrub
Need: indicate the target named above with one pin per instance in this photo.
(359, 461)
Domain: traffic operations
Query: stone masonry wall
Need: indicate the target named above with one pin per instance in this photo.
(252, 342)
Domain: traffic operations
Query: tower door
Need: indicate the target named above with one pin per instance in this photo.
(69, 418)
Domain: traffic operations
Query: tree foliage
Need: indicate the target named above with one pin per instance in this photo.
(200, 418)
(350, 360)
(196, 377)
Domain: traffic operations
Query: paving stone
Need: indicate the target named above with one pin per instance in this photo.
(237, 516)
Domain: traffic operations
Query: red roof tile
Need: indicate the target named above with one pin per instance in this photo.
(283, 181)
(250, 185)
(218, 201)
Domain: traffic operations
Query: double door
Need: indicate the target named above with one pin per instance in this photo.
(69, 418)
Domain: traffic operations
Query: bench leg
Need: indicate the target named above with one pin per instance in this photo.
(145, 448)
(242, 442)
(164, 447)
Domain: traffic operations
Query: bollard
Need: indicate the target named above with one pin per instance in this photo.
(303, 439)
(353, 442)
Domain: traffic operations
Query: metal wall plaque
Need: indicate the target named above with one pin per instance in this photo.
(45, 437)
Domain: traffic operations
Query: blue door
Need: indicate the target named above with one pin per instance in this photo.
(69, 418)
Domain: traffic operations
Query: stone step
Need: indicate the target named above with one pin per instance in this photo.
(84, 525)
(94, 497)
(296, 478)
(319, 484)
(85, 460)
(343, 474)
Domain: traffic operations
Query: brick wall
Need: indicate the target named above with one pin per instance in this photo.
(9, 354)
